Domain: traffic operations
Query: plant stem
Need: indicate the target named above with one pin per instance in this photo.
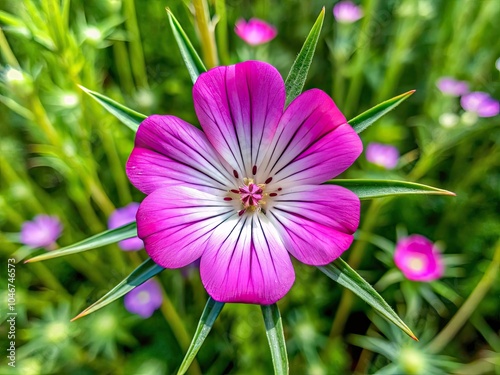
(136, 52)
(7, 51)
(469, 306)
(205, 28)
(220, 9)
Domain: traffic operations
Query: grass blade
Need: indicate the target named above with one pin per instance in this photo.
(369, 189)
(276, 338)
(208, 317)
(298, 73)
(126, 115)
(141, 274)
(102, 239)
(364, 120)
(342, 273)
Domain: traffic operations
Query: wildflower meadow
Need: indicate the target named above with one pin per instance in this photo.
(249, 187)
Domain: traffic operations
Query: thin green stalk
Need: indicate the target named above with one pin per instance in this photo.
(206, 30)
(463, 314)
(136, 52)
(7, 52)
(221, 30)
(48, 279)
(123, 67)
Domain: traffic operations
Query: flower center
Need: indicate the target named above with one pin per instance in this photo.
(251, 194)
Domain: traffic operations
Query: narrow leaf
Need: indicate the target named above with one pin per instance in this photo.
(369, 189)
(342, 273)
(364, 120)
(141, 274)
(210, 314)
(276, 338)
(191, 58)
(126, 115)
(298, 73)
(102, 239)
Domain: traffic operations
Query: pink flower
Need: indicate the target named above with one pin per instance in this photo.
(347, 12)
(386, 156)
(245, 192)
(480, 103)
(122, 216)
(418, 259)
(43, 231)
(451, 86)
(144, 299)
(255, 31)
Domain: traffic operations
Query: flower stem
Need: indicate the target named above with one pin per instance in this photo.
(220, 9)
(469, 306)
(206, 30)
(7, 51)
(136, 52)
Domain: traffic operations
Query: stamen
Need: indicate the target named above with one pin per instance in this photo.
(235, 191)
(235, 173)
(273, 194)
(241, 212)
(279, 189)
(254, 170)
(269, 180)
(228, 199)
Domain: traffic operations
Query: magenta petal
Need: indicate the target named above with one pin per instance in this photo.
(239, 107)
(246, 262)
(316, 223)
(169, 151)
(313, 142)
(176, 222)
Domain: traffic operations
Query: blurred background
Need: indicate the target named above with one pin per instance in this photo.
(63, 156)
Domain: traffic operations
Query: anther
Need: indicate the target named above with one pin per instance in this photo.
(241, 212)
(228, 199)
(254, 170)
(235, 173)
(279, 189)
(235, 191)
(269, 180)
(273, 194)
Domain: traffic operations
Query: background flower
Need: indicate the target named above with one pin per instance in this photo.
(122, 216)
(418, 258)
(386, 156)
(347, 12)
(144, 299)
(453, 87)
(481, 103)
(255, 31)
(42, 231)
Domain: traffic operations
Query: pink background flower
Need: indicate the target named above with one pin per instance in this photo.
(386, 156)
(347, 12)
(245, 193)
(255, 31)
(451, 86)
(122, 216)
(481, 103)
(144, 299)
(42, 231)
(419, 259)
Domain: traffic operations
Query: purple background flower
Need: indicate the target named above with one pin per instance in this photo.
(43, 231)
(418, 259)
(122, 216)
(480, 103)
(144, 299)
(386, 156)
(255, 31)
(347, 12)
(451, 86)
(246, 192)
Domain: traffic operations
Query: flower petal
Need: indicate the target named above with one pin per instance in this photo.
(239, 107)
(316, 223)
(313, 142)
(176, 222)
(169, 151)
(246, 262)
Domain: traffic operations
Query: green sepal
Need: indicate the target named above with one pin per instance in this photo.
(141, 274)
(192, 60)
(126, 115)
(342, 273)
(208, 317)
(275, 338)
(364, 120)
(298, 73)
(369, 188)
(102, 239)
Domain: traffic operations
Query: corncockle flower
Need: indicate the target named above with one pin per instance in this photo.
(418, 258)
(144, 299)
(43, 231)
(386, 156)
(451, 86)
(245, 192)
(347, 12)
(122, 216)
(255, 31)
(480, 103)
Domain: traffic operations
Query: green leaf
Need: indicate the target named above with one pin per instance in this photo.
(342, 273)
(298, 73)
(102, 239)
(210, 314)
(141, 274)
(276, 338)
(126, 115)
(369, 189)
(191, 58)
(364, 120)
